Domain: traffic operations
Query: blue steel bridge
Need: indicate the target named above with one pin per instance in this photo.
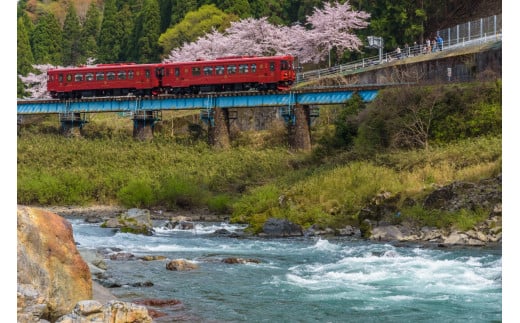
(294, 106)
(226, 100)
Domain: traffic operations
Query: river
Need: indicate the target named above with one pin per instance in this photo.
(308, 279)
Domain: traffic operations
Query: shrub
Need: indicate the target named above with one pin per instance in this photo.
(137, 193)
(220, 203)
(179, 191)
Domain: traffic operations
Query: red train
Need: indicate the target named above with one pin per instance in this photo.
(223, 74)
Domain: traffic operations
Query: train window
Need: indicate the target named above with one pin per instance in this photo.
(121, 75)
(130, 75)
(271, 66)
(78, 77)
(60, 77)
(177, 72)
(253, 68)
(208, 70)
(147, 73)
(111, 76)
(69, 77)
(284, 65)
(243, 68)
(195, 71)
(89, 76)
(100, 76)
(231, 69)
(219, 70)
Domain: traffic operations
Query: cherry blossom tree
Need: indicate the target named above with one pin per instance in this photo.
(36, 83)
(333, 27)
(328, 28)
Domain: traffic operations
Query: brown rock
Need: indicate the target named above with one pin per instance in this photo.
(181, 265)
(49, 261)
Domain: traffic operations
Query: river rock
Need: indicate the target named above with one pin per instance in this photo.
(235, 260)
(113, 311)
(281, 228)
(181, 265)
(386, 233)
(136, 221)
(52, 275)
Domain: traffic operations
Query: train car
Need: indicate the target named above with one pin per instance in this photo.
(239, 73)
(104, 80)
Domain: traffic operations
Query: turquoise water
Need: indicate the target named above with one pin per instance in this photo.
(303, 279)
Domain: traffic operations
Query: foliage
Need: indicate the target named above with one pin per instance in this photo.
(111, 34)
(46, 41)
(179, 191)
(463, 219)
(330, 28)
(71, 40)
(413, 117)
(195, 24)
(25, 56)
(137, 193)
(143, 45)
(90, 32)
(255, 183)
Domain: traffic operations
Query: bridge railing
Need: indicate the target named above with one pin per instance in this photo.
(471, 33)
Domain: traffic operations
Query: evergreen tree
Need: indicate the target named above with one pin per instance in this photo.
(71, 41)
(165, 7)
(46, 40)
(24, 53)
(180, 8)
(146, 34)
(272, 9)
(128, 24)
(110, 34)
(90, 32)
(241, 8)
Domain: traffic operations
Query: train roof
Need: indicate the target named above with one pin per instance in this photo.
(101, 67)
(230, 59)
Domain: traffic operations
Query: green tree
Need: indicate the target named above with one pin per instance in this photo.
(146, 34)
(110, 34)
(194, 25)
(127, 20)
(71, 40)
(346, 125)
(180, 8)
(165, 6)
(24, 53)
(272, 9)
(90, 32)
(240, 8)
(46, 41)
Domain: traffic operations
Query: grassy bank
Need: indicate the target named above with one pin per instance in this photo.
(358, 153)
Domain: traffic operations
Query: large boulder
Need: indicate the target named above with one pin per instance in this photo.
(134, 220)
(281, 228)
(52, 276)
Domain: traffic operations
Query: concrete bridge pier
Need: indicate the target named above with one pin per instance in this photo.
(144, 122)
(72, 124)
(218, 130)
(299, 130)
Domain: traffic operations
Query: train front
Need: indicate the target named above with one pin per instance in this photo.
(287, 73)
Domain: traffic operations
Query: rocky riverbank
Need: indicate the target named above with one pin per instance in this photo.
(379, 219)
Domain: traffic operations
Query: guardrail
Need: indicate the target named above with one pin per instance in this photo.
(472, 33)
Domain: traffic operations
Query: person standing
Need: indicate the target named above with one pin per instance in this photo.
(439, 42)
